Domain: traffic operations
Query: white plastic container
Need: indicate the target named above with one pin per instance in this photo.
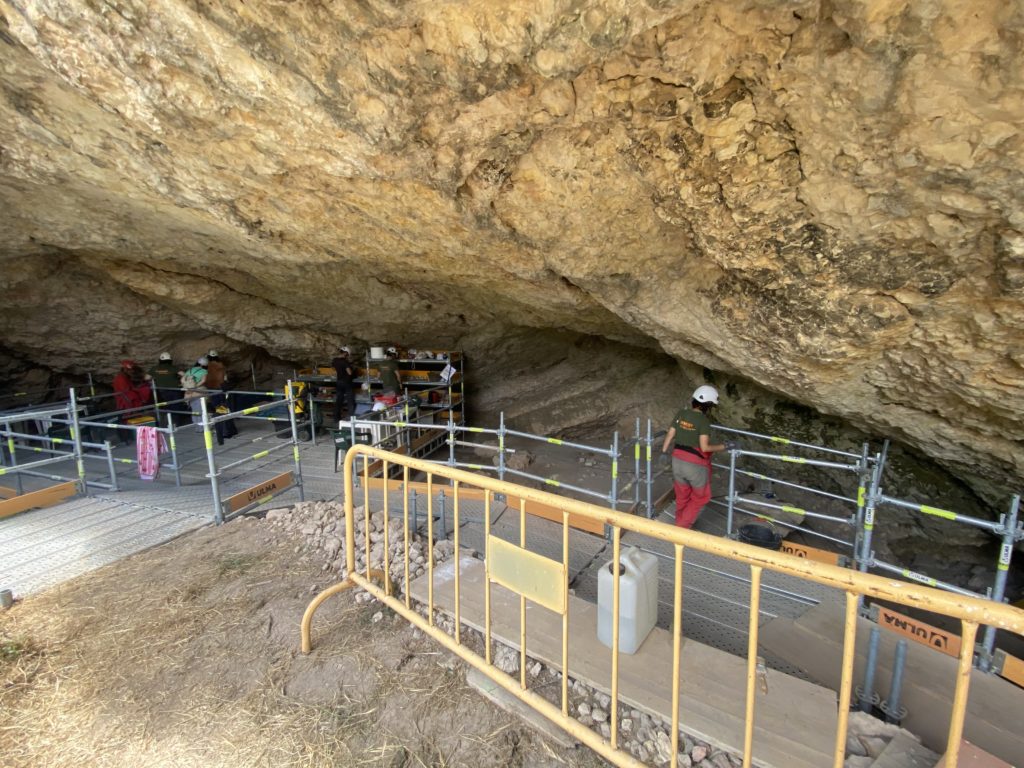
(638, 599)
(376, 353)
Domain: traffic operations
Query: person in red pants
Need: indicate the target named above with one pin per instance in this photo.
(690, 433)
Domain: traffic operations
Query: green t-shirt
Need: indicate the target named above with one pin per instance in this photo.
(165, 376)
(389, 375)
(690, 425)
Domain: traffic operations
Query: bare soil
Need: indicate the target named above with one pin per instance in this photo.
(188, 655)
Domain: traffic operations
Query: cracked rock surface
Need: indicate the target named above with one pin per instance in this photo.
(822, 198)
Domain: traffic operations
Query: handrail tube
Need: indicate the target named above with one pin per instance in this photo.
(924, 579)
(798, 460)
(786, 441)
(1002, 573)
(636, 465)
(468, 444)
(35, 449)
(41, 411)
(254, 457)
(214, 475)
(731, 505)
(58, 478)
(43, 438)
(613, 494)
(945, 514)
(557, 483)
(557, 441)
(464, 464)
(62, 479)
(969, 607)
(246, 412)
(788, 484)
(650, 474)
(33, 464)
(794, 526)
(863, 479)
(868, 526)
(779, 591)
(797, 510)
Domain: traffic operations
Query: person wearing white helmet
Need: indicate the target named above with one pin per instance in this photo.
(193, 381)
(690, 436)
(217, 402)
(344, 385)
(168, 388)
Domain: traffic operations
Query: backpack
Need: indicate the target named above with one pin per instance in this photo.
(190, 380)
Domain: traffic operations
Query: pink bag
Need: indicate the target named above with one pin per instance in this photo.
(149, 444)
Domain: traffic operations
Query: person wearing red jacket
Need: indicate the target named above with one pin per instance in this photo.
(133, 390)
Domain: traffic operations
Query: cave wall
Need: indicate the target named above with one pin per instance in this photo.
(819, 200)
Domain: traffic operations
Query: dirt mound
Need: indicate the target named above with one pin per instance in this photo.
(187, 655)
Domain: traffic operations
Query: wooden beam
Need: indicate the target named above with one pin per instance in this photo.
(271, 487)
(810, 553)
(1009, 668)
(43, 498)
(7, 493)
(554, 514)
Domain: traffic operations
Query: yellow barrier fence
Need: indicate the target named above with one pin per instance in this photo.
(545, 582)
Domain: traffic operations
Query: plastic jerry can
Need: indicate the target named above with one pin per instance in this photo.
(638, 599)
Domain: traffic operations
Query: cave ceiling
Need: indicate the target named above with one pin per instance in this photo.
(822, 198)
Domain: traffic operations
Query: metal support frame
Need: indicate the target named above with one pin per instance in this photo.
(1011, 533)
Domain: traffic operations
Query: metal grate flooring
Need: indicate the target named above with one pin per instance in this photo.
(42, 548)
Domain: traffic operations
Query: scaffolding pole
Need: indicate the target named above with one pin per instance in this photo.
(1010, 536)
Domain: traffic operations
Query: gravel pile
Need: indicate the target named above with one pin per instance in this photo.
(320, 525)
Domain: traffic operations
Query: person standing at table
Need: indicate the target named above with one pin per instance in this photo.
(344, 386)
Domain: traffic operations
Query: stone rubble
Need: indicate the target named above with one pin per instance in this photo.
(321, 526)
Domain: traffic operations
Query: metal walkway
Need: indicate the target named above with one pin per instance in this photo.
(45, 547)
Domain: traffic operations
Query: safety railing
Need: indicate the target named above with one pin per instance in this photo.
(765, 508)
(262, 492)
(866, 505)
(453, 433)
(60, 449)
(544, 581)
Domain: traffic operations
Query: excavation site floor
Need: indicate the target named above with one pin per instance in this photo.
(202, 574)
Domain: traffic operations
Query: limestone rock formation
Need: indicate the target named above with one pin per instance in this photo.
(822, 197)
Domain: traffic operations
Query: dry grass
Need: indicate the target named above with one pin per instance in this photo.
(187, 656)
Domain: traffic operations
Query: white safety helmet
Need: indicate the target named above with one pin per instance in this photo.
(165, 357)
(212, 353)
(344, 349)
(392, 351)
(377, 407)
(203, 361)
(706, 394)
